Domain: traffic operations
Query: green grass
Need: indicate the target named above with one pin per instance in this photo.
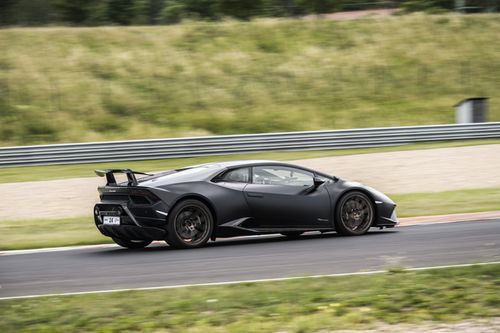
(23, 174)
(25, 234)
(38, 233)
(451, 202)
(298, 306)
(62, 84)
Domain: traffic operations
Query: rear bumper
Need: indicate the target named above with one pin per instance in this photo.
(145, 222)
(132, 232)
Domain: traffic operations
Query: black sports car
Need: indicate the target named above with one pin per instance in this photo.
(187, 207)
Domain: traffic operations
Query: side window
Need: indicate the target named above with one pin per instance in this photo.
(280, 175)
(241, 175)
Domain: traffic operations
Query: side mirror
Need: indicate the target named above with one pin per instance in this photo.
(317, 182)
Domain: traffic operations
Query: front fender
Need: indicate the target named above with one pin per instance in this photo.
(384, 206)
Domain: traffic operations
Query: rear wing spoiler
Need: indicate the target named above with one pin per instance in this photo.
(111, 180)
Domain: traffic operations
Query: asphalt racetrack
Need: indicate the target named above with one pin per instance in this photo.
(266, 257)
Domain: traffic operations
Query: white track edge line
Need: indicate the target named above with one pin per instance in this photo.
(88, 247)
(208, 284)
(55, 249)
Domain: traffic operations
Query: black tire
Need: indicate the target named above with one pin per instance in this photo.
(190, 224)
(292, 234)
(355, 214)
(132, 244)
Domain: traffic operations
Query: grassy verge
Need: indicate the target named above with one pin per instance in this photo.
(81, 231)
(305, 305)
(22, 174)
(450, 202)
(29, 234)
(242, 77)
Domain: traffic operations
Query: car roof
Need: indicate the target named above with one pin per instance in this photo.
(208, 171)
(241, 163)
(220, 166)
(231, 164)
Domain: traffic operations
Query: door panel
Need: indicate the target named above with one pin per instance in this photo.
(284, 199)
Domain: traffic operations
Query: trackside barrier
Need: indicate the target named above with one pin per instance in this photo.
(236, 144)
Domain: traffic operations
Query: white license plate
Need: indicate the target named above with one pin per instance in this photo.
(113, 220)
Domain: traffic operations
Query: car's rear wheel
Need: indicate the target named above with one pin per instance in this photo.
(292, 234)
(132, 244)
(355, 214)
(190, 224)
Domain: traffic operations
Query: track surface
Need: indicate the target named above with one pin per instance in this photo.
(256, 258)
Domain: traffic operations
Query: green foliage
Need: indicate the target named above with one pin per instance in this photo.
(241, 9)
(173, 12)
(281, 8)
(201, 9)
(77, 11)
(98, 12)
(121, 11)
(7, 11)
(417, 5)
(319, 6)
(127, 12)
(426, 5)
(202, 78)
(26, 12)
(302, 305)
(438, 6)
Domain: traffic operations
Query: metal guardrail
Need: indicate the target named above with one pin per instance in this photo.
(232, 144)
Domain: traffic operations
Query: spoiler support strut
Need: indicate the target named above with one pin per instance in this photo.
(111, 180)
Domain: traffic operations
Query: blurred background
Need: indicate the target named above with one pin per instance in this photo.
(99, 70)
(73, 71)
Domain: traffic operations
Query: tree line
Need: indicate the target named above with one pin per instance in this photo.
(150, 12)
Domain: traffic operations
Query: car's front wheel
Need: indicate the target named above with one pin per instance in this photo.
(355, 214)
(190, 224)
(132, 244)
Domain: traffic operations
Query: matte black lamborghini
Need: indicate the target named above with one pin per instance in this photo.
(187, 207)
